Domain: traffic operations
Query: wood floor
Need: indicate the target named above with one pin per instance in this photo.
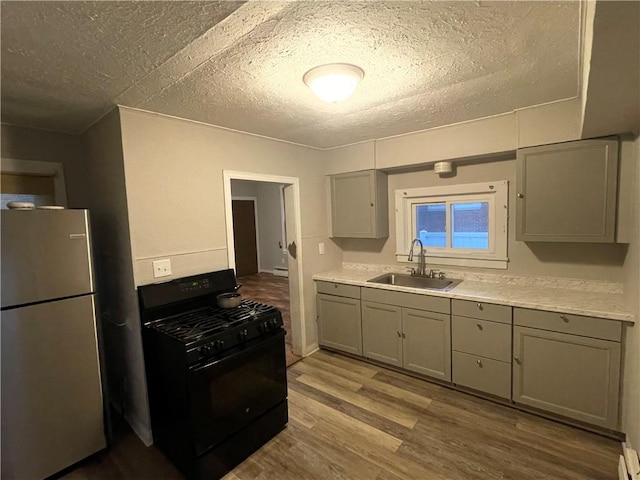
(272, 290)
(351, 420)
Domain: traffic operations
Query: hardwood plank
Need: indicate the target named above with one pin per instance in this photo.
(322, 369)
(396, 414)
(355, 466)
(357, 430)
(327, 376)
(347, 363)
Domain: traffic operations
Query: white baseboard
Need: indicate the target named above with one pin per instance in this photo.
(281, 271)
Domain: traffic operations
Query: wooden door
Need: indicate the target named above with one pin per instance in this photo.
(244, 237)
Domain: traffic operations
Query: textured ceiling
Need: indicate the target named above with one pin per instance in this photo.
(240, 66)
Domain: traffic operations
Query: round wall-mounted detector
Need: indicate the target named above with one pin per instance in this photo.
(442, 167)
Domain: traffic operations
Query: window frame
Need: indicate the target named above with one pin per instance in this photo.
(494, 193)
(37, 167)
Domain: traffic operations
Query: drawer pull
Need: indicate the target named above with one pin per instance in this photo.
(479, 363)
(335, 285)
(399, 334)
(517, 359)
(479, 326)
(564, 318)
(479, 305)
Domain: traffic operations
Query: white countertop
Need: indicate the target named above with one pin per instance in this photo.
(603, 305)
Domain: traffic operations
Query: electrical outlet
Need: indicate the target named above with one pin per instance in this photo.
(161, 268)
(321, 248)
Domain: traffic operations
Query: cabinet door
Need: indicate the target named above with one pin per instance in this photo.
(567, 374)
(427, 343)
(382, 332)
(339, 323)
(359, 205)
(567, 192)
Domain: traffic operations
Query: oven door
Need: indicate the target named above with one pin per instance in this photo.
(230, 392)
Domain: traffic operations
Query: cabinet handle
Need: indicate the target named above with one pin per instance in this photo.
(479, 326)
(479, 305)
(399, 334)
(335, 285)
(564, 318)
(403, 335)
(520, 195)
(479, 363)
(371, 204)
(517, 359)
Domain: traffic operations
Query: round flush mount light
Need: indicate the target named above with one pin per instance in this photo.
(333, 82)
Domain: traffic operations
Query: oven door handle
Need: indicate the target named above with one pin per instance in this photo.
(247, 349)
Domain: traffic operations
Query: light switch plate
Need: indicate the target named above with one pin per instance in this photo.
(162, 268)
(321, 248)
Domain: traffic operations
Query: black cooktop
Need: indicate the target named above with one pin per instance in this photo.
(212, 321)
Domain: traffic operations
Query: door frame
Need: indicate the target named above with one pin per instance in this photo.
(229, 175)
(255, 216)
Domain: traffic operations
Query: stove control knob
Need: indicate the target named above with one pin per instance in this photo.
(243, 334)
(263, 327)
(206, 350)
(218, 345)
(273, 323)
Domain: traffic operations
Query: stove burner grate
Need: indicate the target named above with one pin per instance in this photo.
(209, 321)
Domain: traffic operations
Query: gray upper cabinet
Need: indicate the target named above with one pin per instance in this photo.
(359, 205)
(567, 192)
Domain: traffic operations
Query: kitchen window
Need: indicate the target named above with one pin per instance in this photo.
(41, 183)
(463, 225)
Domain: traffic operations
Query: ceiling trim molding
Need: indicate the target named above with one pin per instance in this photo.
(173, 117)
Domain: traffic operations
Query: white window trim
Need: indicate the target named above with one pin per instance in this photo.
(496, 193)
(35, 167)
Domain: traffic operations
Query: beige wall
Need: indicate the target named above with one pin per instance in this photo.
(22, 143)
(102, 190)
(174, 181)
(631, 362)
(587, 261)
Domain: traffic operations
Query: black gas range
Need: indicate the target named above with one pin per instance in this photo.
(216, 376)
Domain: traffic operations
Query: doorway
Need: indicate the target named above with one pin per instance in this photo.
(290, 237)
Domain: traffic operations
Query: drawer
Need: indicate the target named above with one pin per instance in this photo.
(567, 323)
(480, 337)
(484, 311)
(339, 289)
(483, 374)
(409, 300)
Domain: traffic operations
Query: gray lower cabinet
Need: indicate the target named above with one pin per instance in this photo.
(339, 323)
(481, 342)
(416, 340)
(571, 375)
(382, 333)
(427, 343)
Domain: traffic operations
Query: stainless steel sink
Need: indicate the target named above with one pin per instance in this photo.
(412, 281)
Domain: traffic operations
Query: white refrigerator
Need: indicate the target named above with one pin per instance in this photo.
(52, 412)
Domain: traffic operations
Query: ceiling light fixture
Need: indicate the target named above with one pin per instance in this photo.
(333, 82)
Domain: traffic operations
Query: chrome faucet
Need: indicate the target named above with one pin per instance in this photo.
(422, 261)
